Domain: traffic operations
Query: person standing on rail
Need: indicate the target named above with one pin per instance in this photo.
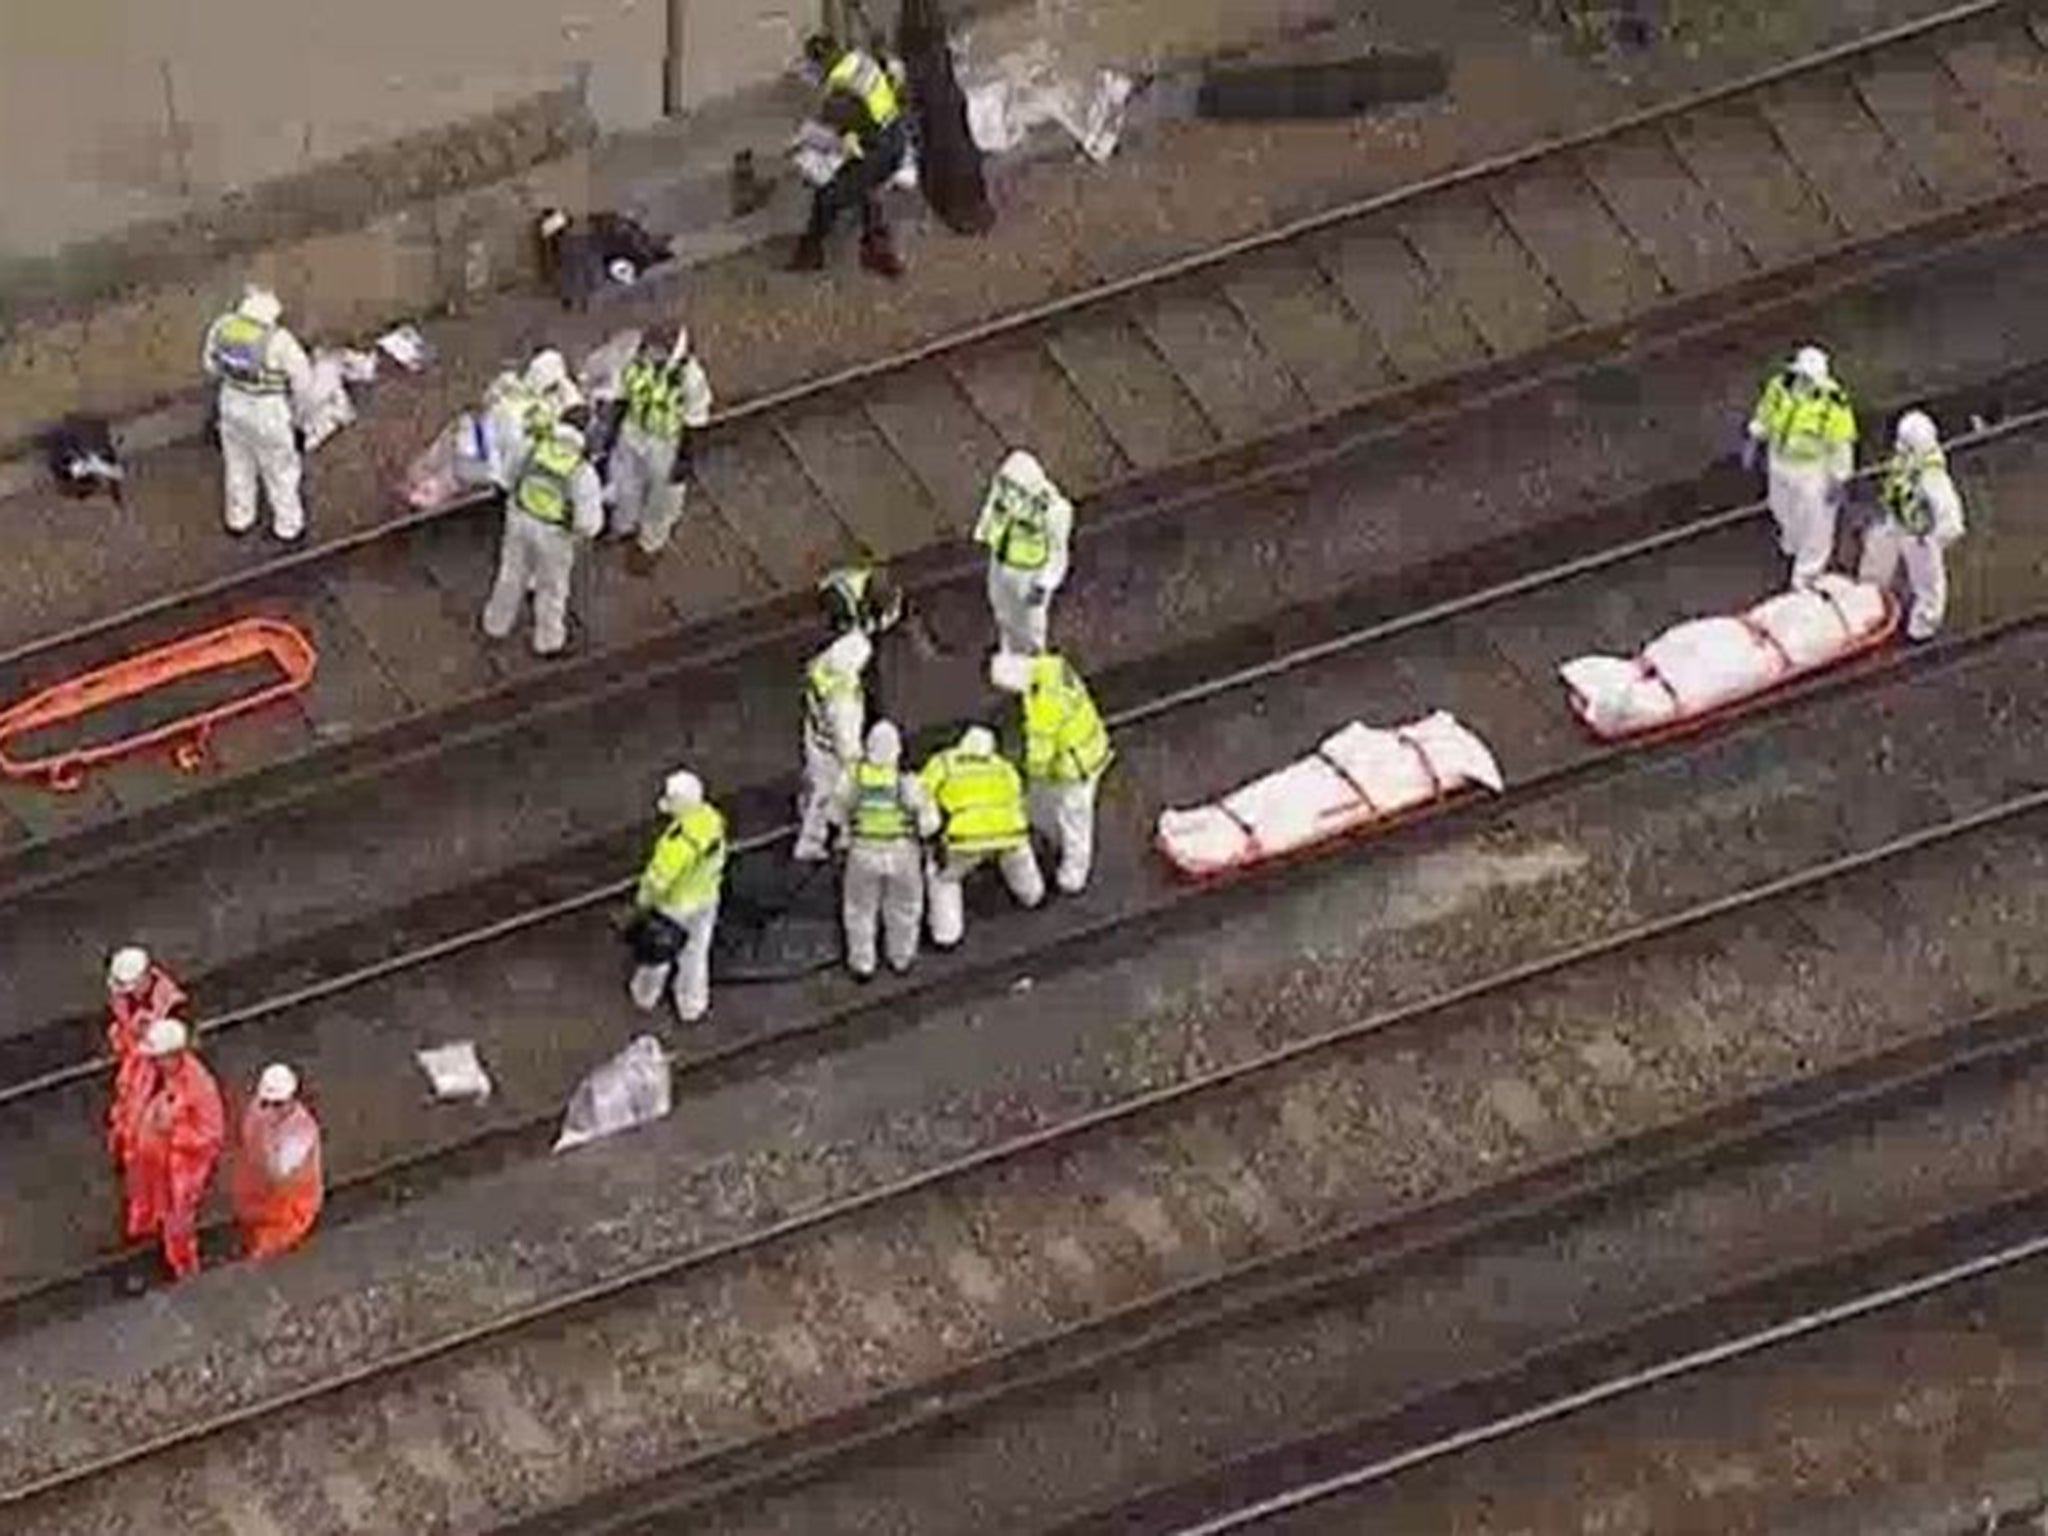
(667, 397)
(1922, 517)
(1066, 752)
(173, 1142)
(887, 812)
(861, 104)
(555, 503)
(677, 901)
(265, 379)
(835, 716)
(278, 1184)
(139, 992)
(1027, 525)
(1804, 425)
(980, 798)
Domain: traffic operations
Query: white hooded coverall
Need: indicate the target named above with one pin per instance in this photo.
(256, 418)
(1809, 460)
(1027, 525)
(646, 498)
(1889, 544)
(540, 557)
(884, 883)
(835, 718)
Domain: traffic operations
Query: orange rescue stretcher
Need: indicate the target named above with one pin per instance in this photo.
(188, 736)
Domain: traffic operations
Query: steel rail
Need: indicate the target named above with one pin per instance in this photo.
(1012, 1150)
(1194, 694)
(1031, 316)
(1640, 1165)
(1692, 1362)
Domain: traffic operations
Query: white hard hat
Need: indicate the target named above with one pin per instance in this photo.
(682, 791)
(1024, 469)
(1811, 363)
(553, 222)
(128, 966)
(884, 744)
(1009, 671)
(1916, 433)
(851, 652)
(278, 1084)
(548, 370)
(978, 740)
(260, 304)
(165, 1036)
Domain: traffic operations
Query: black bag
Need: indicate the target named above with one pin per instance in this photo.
(655, 939)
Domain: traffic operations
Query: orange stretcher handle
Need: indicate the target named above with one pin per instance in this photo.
(218, 650)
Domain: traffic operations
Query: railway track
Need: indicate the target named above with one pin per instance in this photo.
(287, 860)
(1488, 655)
(1393, 309)
(1020, 1241)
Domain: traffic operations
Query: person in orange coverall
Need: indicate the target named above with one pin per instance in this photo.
(277, 1179)
(139, 992)
(173, 1140)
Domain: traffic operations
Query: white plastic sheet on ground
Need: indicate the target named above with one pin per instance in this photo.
(1707, 664)
(456, 1071)
(327, 407)
(631, 1089)
(1358, 776)
(1009, 96)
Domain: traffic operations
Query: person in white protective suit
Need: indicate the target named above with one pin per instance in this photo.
(265, 381)
(1066, 753)
(1922, 517)
(887, 812)
(980, 797)
(555, 502)
(835, 716)
(1804, 425)
(522, 408)
(677, 901)
(667, 397)
(1026, 525)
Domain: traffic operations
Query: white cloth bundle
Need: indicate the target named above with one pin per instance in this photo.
(1703, 664)
(1358, 776)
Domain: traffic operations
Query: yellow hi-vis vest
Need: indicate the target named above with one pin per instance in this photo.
(879, 814)
(654, 399)
(1021, 537)
(688, 861)
(860, 76)
(241, 351)
(1065, 740)
(546, 488)
(1903, 497)
(980, 798)
(825, 685)
(1804, 426)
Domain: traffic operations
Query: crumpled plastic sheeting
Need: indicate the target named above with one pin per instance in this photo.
(1009, 96)
(327, 407)
(631, 1089)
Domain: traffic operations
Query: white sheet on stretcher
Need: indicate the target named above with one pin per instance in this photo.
(1703, 664)
(1357, 776)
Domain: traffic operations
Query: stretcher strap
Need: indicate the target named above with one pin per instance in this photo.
(1849, 635)
(1769, 642)
(1436, 781)
(1364, 795)
(1649, 670)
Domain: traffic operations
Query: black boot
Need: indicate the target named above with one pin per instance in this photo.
(809, 255)
(878, 254)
